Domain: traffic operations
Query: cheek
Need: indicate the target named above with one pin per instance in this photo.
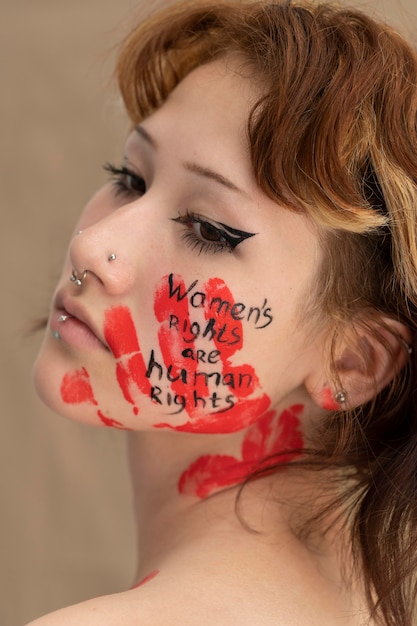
(200, 336)
(43, 376)
(182, 366)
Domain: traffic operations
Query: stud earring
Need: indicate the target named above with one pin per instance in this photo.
(75, 279)
(341, 396)
(406, 347)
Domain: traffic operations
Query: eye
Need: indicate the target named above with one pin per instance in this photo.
(206, 236)
(126, 181)
(209, 233)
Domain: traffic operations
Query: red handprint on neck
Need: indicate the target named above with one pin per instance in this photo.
(267, 437)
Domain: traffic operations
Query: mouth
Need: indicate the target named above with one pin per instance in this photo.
(71, 324)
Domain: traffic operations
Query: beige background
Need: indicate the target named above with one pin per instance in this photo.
(65, 527)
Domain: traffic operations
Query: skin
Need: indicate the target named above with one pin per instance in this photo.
(183, 450)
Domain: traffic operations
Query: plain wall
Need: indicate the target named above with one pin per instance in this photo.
(65, 525)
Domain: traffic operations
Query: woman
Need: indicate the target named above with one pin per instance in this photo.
(241, 298)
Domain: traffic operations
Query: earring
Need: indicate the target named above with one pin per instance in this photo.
(341, 396)
(78, 281)
(406, 347)
(112, 257)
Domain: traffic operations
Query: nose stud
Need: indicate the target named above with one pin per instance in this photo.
(78, 280)
(112, 257)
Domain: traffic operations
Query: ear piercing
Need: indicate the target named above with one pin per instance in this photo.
(78, 280)
(406, 347)
(341, 396)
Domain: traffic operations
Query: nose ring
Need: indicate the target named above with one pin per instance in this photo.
(75, 279)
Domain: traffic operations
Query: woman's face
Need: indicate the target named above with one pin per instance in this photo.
(195, 324)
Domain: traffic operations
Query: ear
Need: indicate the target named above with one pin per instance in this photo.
(368, 356)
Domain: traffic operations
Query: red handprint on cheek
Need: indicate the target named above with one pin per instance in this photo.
(76, 388)
(242, 401)
(120, 334)
(267, 437)
(217, 397)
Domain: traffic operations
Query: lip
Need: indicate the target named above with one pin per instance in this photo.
(78, 330)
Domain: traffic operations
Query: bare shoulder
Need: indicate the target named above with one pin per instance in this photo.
(220, 604)
(101, 611)
(243, 585)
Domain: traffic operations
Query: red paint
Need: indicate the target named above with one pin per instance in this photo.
(120, 334)
(76, 388)
(110, 422)
(327, 400)
(264, 439)
(222, 407)
(172, 344)
(241, 415)
(146, 579)
(217, 288)
(246, 409)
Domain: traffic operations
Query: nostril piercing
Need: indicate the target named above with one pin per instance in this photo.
(75, 279)
(112, 257)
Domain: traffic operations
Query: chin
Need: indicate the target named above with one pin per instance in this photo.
(47, 373)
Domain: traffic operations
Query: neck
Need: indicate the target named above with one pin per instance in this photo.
(173, 475)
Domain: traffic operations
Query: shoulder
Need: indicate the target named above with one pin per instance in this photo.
(191, 603)
(234, 585)
(101, 611)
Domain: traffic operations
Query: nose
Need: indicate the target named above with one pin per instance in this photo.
(106, 252)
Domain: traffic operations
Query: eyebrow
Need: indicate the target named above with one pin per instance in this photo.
(146, 136)
(200, 170)
(211, 175)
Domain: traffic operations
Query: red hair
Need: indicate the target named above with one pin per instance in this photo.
(333, 134)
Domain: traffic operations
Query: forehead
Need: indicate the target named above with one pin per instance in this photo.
(205, 118)
(226, 76)
(216, 91)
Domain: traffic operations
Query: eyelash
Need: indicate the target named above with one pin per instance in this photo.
(121, 184)
(228, 238)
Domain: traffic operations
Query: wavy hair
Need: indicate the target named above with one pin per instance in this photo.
(333, 135)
